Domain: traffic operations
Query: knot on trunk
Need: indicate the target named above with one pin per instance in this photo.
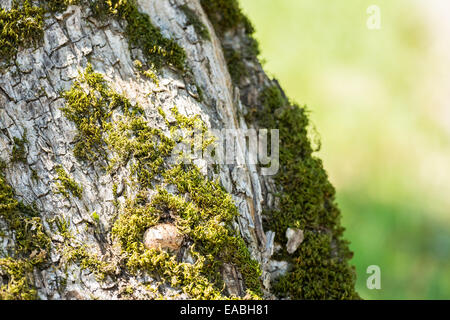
(163, 236)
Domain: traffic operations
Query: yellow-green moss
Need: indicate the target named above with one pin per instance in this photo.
(320, 265)
(59, 5)
(66, 185)
(149, 73)
(18, 152)
(30, 248)
(21, 26)
(205, 219)
(141, 33)
(226, 15)
(20, 284)
(89, 111)
(86, 260)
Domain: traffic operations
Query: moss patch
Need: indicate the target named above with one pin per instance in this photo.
(89, 110)
(66, 185)
(320, 265)
(236, 64)
(18, 151)
(226, 15)
(194, 20)
(201, 209)
(30, 249)
(141, 33)
(22, 26)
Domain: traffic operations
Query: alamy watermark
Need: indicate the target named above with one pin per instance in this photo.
(374, 19)
(228, 147)
(374, 280)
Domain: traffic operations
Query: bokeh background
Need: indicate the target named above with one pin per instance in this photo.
(380, 100)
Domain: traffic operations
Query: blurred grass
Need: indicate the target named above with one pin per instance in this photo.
(385, 153)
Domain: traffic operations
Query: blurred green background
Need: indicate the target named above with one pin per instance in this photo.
(380, 100)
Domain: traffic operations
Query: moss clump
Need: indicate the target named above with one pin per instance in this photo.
(205, 219)
(194, 20)
(73, 252)
(30, 249)
(141, 33)
(89, 110)
(66, 185)
(86, 260)
(59, 5)
(18, 151)
(236, 64)
(22, 26)
(226, 15)
(149, 73)
(320, 265)
(20, 280)
(130, 138)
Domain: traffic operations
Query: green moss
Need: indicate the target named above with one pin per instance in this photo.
(31, 245)
(18, 151)
(149, 73)
(80, 255)
(66, 185)
(21, 26)
(226, 15)
(95, 216)
(320, 265)
(59, 5)
(194, 20)
(34, 175)
(20, 281)
(62, 226)
(141, 33)
(22, 219)
(236, 65)
(205, 219)
(89, 111)
(73, 252)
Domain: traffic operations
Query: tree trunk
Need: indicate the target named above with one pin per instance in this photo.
(91, 203)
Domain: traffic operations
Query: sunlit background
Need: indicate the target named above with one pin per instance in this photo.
(380, 100)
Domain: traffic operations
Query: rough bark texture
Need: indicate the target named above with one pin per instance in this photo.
(74, 204)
